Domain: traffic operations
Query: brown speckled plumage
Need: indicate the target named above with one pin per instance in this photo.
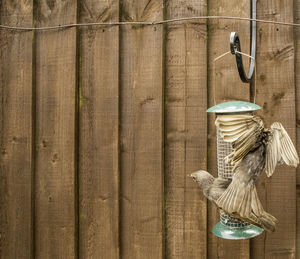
(255, 150)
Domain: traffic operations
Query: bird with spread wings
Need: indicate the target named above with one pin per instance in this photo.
(255, 149)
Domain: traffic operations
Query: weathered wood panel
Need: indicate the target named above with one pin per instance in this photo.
(141, 131)
(55, 131)
(276, 94)
(16, 132)
(60, 113)
(228, 87)
(98, 143)
(297, 94)
(185, 131)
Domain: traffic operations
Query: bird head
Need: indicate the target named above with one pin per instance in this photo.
(203, 178)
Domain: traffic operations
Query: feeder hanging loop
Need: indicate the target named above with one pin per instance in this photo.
(235, 47)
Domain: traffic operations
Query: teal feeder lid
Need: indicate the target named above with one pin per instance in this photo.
(233, 107)
(226, 232)
(235, 229)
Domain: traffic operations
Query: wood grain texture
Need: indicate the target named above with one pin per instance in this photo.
(55, 131)
(185, 131)
(65, 107)
(141, 131)
(276, 94)
(16, 132)
(228, 87)
(98, 145)
(297, 99)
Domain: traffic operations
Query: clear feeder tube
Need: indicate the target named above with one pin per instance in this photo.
(225, 171)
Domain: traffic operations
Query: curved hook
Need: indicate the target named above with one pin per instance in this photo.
(235, 45)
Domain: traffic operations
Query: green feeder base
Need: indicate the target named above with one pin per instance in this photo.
(227, 232)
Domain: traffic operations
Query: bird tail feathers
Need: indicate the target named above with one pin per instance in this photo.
(267, 221)
(237, 199)
(243, 200)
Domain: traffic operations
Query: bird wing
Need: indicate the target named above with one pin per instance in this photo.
(242, 131)
(241, 198)
(279, 148)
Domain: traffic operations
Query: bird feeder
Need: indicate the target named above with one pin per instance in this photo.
(229, 227)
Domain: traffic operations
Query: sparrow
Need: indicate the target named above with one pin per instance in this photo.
(255, 149)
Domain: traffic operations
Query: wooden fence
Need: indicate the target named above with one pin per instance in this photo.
(100, 126)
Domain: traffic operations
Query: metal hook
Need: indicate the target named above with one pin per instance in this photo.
(235, 45)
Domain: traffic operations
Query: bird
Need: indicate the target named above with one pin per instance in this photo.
(255, 149)
(213, 188)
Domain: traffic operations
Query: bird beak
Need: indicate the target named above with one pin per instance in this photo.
(189, 175)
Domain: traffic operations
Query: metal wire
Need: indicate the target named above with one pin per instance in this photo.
(233, 222)
(223, 149)
(221, 17)
(214, 72)
(225, 171)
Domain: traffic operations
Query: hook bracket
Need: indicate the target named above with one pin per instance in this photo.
(235, 46)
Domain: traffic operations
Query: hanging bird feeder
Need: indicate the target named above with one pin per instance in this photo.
(245, 148)
(230, 227)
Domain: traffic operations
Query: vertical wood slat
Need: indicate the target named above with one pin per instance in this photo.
(141, 131)
(276, 93)
(98, 145)
(185, 131)
(228, 87)
(56, 64)
(16, 132)
(55, 131)
(297, 95)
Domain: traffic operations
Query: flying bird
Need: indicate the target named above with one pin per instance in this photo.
(256, 149)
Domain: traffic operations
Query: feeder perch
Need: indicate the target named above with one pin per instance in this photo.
(229, 227)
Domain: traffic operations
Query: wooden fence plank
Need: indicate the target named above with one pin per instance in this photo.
(185, 131)
(55, 131)
(228, 87)
(16, 132)
(297, 95)
(98, 148)
(141, 131)
(276, 93)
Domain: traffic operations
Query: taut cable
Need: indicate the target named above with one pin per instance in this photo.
(65, 26)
